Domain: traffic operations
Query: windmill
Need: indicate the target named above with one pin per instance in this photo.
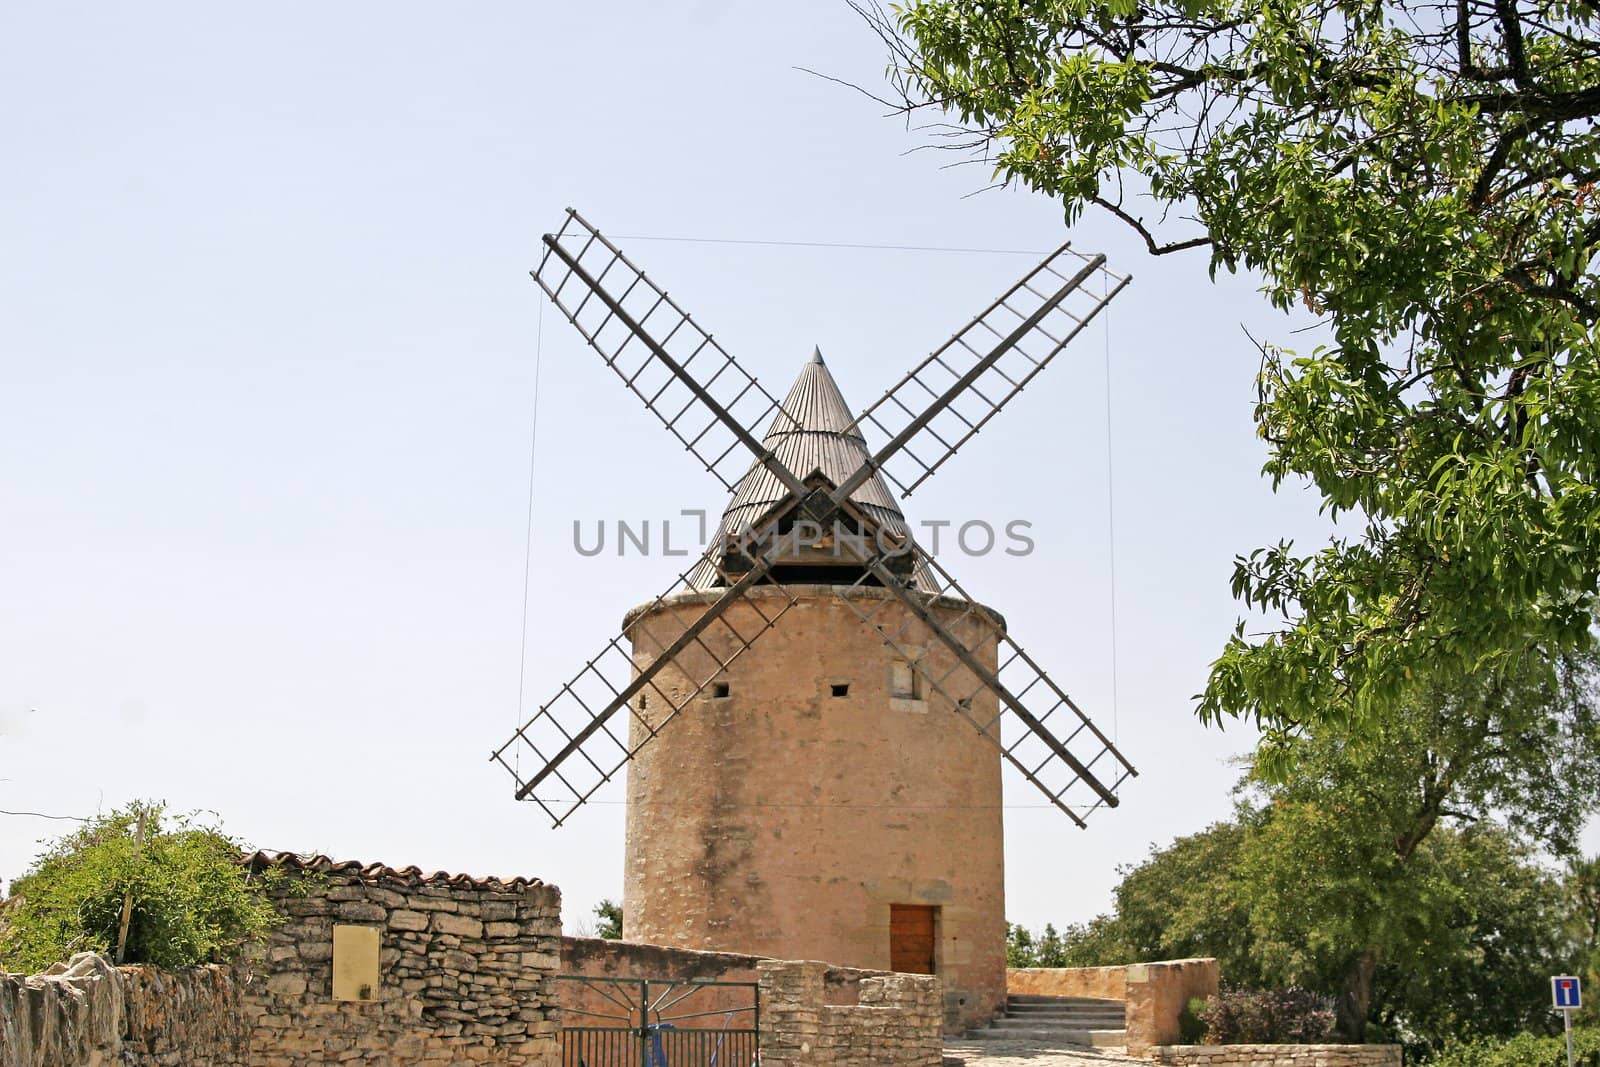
(813, 524)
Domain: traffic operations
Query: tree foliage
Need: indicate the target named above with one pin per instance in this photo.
(1524, 1050)
(608, 920)
(1420, 175)
(1024, 948)
(1463, 939)
(1393, 867)
(191, 900)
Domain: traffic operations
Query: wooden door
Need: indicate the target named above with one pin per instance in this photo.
(912, 930)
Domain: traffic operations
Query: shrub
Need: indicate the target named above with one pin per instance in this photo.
(1191, 1030)
(1267, 1017)
(191, 900)
(1524, 1050)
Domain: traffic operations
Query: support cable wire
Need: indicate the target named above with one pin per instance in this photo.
(831, 244)
(42, 815)
(527, 538)
(1111, 517)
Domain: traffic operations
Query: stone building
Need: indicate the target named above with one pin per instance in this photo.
(819, 803)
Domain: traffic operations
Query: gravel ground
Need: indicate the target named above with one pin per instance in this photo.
(959, 1053)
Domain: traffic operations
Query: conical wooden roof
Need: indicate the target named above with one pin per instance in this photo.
(812, 433)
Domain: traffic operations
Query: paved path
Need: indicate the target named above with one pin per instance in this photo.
(1026, 1054)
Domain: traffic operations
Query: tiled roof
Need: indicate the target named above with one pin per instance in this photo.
(812, 432)
(378, 872)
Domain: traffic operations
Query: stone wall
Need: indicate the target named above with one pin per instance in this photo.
(69, 1016)
(1103, 983)
(1277, 1055)
(464, 975)
(811, 1013)
(1155, 994)
(190, 1018)
(86, 1013)
(466, 969)
(897, 1022)
(585, 1004)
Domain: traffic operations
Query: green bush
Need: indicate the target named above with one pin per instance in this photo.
(192, 901)
(1191, 1030)
(1524, 1050)
(1266, 1017)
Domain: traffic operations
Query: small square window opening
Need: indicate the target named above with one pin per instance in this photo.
(841, 689)
(719, 689)
(903, 682)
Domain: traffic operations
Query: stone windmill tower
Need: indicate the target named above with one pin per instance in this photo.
(816, 713)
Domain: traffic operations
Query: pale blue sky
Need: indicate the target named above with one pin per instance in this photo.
(267, 346)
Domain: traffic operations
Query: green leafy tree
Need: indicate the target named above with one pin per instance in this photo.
(1583, 890)
(1420, 176)
(1183, 902)
(1391, 867)
(189, 901)
(608, 920)
(1334, 869)
(1020, 949)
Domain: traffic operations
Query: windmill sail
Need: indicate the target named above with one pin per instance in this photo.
(987, 363)
(812, 467)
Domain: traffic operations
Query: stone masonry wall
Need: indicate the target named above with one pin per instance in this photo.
(1103, 983)
(1277, 1055)
(86, 1013)
(188, 1018)
(897, 1023)
(1157, 995)
(466, 970)
(465, 974)
(69, 1016)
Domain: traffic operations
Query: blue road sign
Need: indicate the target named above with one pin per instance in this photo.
(1568, 992)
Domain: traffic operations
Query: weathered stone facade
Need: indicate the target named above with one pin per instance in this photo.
(463, 975)
(1277, 1055)
(783, 820)
(69, 1016)
(895, 1024)
(466, 968)
(186, 1018)
(86, 1013)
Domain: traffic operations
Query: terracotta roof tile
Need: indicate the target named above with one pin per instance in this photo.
(378, 872)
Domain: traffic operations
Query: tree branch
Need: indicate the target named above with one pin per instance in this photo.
(1149, 238)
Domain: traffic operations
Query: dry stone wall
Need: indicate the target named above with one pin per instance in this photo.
(462, 975)
(86, 1013)
(69, 1016)
(1277, 1055)
(181, 1018)
(466, 970)
(897, 1022)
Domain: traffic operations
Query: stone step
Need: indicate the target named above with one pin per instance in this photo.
(1034, 998)
(1012, 1022)
(1052, 1010)
(1050, 1022)
(1054, 1037)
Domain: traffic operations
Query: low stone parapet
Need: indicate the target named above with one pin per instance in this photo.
(1155, 994)
(1277, 1055)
